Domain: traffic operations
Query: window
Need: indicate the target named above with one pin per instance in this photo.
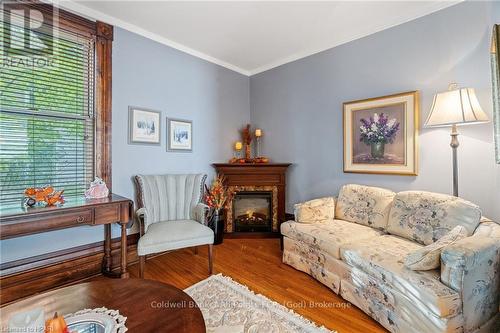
(47, 111)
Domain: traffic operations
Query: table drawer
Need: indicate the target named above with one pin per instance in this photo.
(46, 222)
(107, 214)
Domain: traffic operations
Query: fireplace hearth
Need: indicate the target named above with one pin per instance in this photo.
(252, 211)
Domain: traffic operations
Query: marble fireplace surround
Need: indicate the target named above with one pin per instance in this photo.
(233, 190)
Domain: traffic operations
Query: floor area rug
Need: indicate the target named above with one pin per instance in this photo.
(229, 307)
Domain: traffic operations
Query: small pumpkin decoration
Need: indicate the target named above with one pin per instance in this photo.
(56, 325)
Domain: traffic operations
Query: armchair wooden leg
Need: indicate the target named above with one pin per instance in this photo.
(196, 250)
(142, 262)
(210, 259)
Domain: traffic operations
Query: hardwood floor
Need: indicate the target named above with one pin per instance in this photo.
(257, 264)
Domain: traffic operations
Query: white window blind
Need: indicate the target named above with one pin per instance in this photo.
(47, 116)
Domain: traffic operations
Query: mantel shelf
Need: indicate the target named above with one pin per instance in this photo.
(239, 165)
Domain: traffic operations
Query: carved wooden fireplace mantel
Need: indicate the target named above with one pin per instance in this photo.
(251, 180)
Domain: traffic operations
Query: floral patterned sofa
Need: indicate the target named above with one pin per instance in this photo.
(357, 244)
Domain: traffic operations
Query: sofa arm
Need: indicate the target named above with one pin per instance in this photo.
(471, 266)
(200, 213)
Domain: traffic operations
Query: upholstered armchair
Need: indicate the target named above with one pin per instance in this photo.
(171, 215)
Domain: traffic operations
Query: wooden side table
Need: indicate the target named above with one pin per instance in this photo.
(19, 221)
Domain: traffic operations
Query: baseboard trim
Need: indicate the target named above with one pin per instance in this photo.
(25, 277)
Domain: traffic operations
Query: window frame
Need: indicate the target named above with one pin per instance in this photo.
(103, 35)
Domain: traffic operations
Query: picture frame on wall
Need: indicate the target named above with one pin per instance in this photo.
(179, 135)
(144, 126)
(381, 135)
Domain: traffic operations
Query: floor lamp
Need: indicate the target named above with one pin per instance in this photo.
(457, 106)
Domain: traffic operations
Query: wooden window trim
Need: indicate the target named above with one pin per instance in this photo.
(65, 20)
(104, 44)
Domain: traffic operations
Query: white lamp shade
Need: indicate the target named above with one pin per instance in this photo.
(456, 107)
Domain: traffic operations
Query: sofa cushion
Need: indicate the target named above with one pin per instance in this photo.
(172, 235)
(429, 257)
(312, 261)
(328, 236)
(382, 258)
(365, 205)
(425, 217)
(315, 211)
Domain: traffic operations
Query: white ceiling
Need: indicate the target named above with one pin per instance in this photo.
(251, 37)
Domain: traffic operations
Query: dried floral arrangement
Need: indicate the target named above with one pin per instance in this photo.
(216, 196)
(246, 135)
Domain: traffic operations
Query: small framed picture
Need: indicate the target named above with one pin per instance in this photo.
(381, 135)
(179, 135)
(144, 126)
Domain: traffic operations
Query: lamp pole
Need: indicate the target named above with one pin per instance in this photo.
(454, 145)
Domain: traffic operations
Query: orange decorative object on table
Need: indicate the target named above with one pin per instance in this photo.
(45, 194)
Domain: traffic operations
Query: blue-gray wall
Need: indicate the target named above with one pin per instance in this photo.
(154, 76)
(299, 105)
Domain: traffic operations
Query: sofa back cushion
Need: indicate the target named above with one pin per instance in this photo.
(365, 205)
(425, 217)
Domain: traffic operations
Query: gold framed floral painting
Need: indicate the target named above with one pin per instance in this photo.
(381, 135)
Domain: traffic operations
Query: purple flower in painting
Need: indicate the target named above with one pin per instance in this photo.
(378, 129)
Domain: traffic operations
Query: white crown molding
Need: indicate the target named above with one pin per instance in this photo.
(437, 6)
(96, 15)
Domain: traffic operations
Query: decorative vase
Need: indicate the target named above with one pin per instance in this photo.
(216, 223)
(248, 153)
(377, 149)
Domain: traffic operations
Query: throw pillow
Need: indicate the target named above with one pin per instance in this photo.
(428, 257)
(315, 211)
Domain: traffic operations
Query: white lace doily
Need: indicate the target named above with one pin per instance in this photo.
(112, 320)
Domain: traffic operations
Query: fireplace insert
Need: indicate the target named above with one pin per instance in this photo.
(252, 211)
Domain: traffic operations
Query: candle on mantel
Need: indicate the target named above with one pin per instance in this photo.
(258, 132)
(238, 145)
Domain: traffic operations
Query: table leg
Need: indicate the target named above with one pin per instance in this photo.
(107, 247)
(124, 274)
